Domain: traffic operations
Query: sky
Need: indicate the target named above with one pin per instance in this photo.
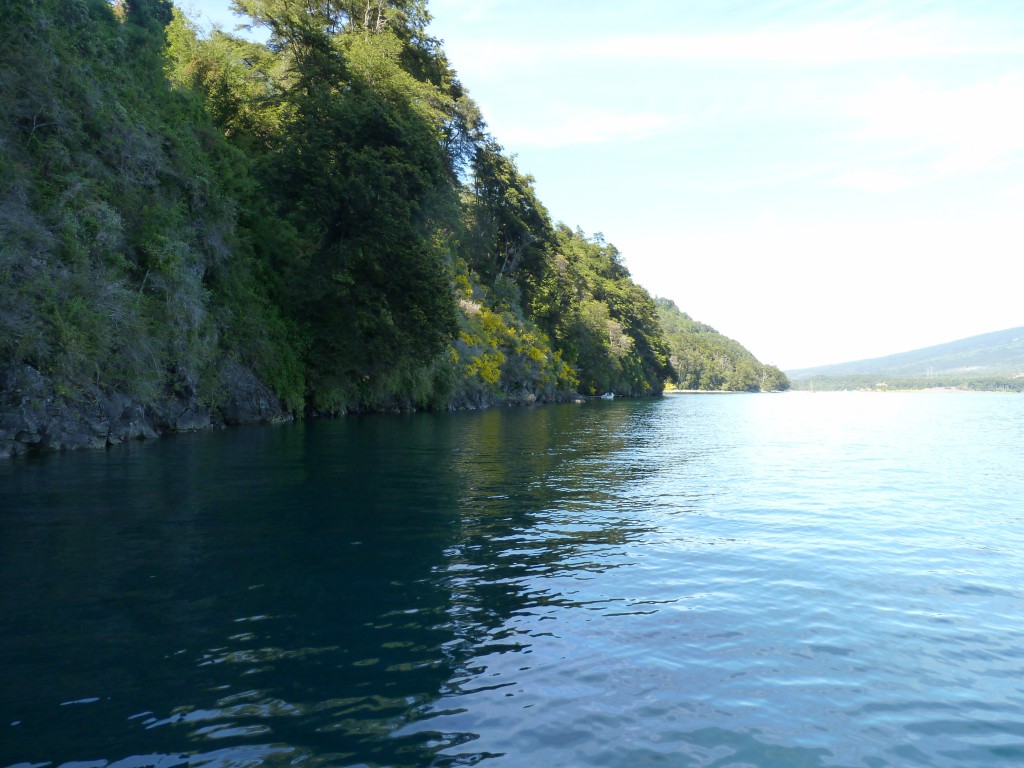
(821, 181)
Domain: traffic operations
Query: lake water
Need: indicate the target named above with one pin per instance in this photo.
(731, 580)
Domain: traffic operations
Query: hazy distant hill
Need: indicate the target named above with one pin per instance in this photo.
(989, 355)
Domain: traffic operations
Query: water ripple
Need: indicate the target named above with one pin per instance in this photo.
(770, 581)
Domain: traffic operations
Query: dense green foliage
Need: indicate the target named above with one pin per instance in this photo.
(120, 261)
(606, 324)
(326, 210)
(704, 359)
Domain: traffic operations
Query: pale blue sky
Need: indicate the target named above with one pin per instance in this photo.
(820, 181)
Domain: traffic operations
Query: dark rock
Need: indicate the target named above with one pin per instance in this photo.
(178, 414)
(9, 448)
(193, 419)
(34, 418)
(132, 424)
(248, 400)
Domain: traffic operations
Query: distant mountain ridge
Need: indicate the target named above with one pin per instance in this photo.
(1000, 353)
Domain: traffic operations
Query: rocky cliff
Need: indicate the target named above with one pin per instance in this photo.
(35, 418)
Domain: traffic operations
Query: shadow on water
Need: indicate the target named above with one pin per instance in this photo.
(317, 592)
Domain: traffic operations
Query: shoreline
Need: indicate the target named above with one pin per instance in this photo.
(716, 392)
(35, 420)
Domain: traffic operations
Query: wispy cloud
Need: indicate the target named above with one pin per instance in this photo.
(833, 43)
(468, 10)
(1014, 193)
(875, 180)
(563, 126)
(814, 44)
(959, 130)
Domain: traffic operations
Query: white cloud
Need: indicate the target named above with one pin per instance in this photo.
(1014, 193)
(467, 10)
(817, 44)
(801, 291)
(875, 180)
(833, 43)
(563, 126)
(966, 129)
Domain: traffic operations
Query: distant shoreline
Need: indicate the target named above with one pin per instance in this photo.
(707, 392)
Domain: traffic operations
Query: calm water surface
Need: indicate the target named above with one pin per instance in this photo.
(763, 580)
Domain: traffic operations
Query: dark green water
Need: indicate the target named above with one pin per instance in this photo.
(714, 581)
(299, 585)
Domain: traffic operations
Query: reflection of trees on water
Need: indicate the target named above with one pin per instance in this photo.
(541, 509)
(537, 497)
(307, 590)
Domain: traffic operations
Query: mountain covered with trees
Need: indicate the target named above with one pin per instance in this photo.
(199, 228)
(704, 359)
(987, 361)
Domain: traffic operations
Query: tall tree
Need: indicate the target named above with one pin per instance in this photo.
(512, 234)
(357, 168)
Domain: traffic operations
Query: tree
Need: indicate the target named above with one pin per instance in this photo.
(510, 228)
(704, 359)
(355, 167)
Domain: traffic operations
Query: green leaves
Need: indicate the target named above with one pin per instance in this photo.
(355, 168)
(177, 205)
(605, 324)
(704, 359)
(511, 233)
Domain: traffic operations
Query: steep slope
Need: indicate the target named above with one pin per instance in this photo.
(705, 359)
(203, 229)
(128, 304)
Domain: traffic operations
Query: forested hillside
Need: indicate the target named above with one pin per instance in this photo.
(201, 228)
(702, 358)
